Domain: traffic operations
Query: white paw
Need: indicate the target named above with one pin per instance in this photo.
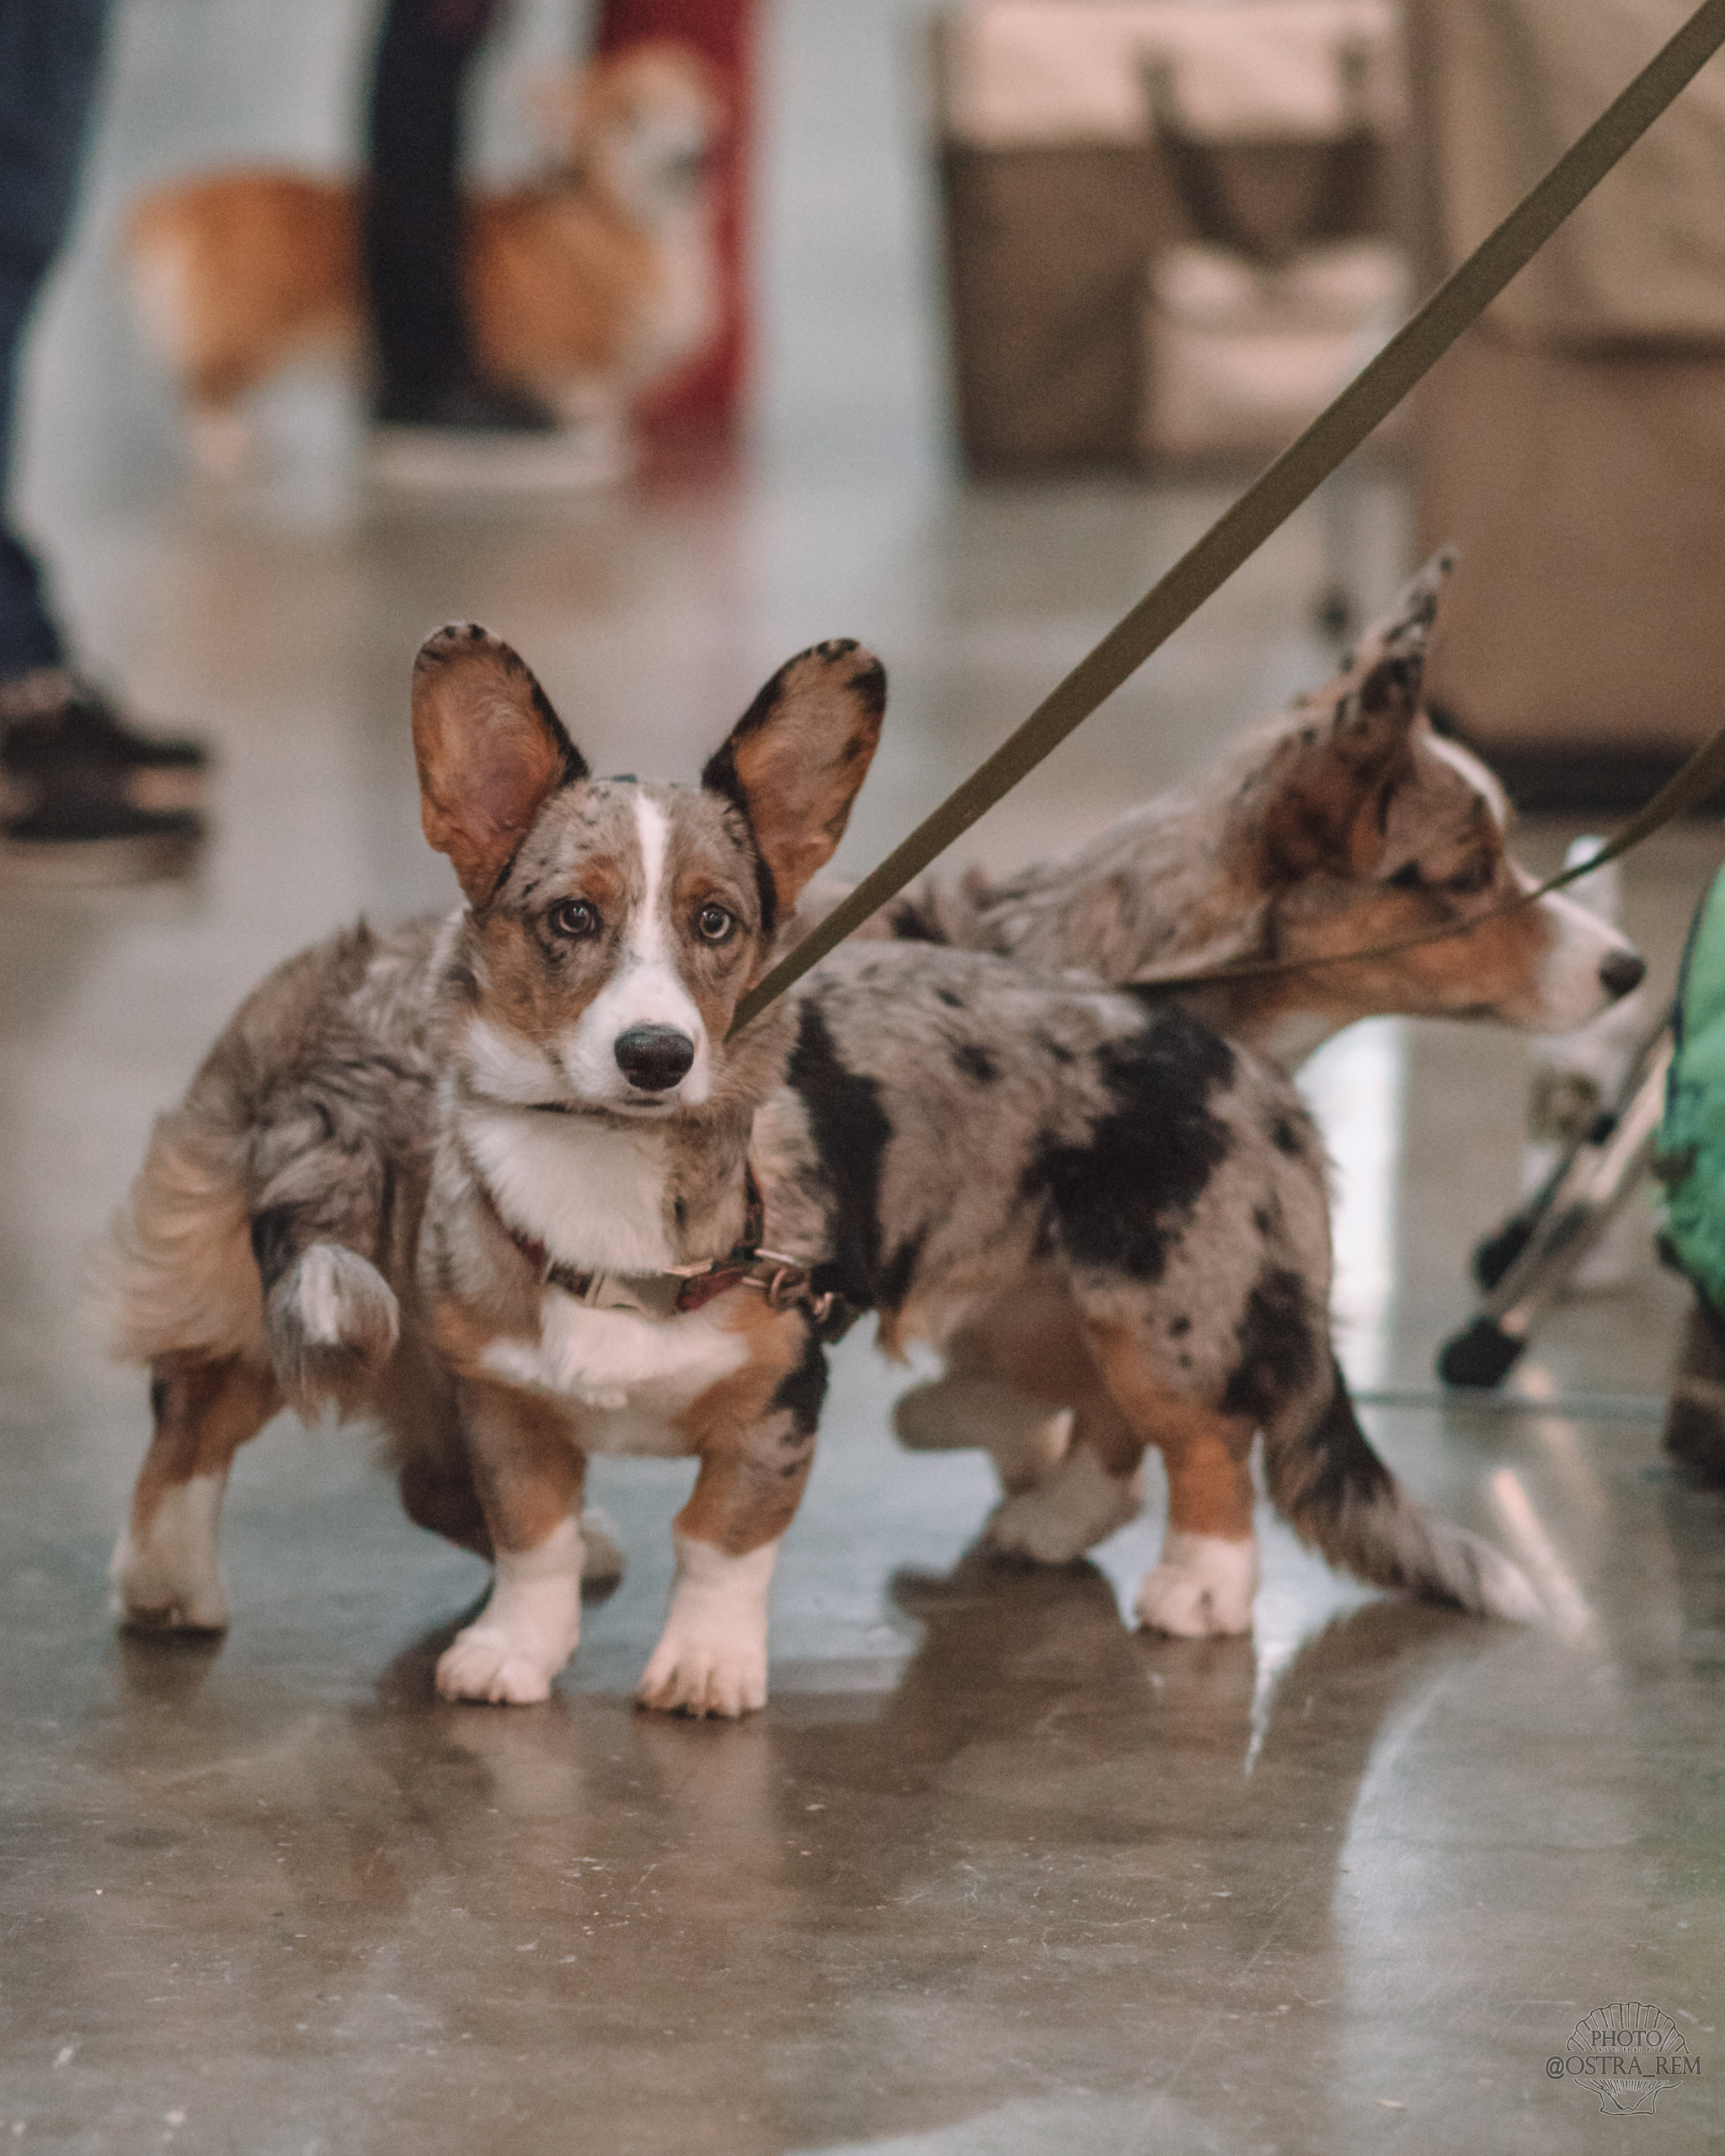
(704, 1676)
(1079, 1505)
(527, 1631)
(170, 1580)
(1202, 1587)
(490, 1664)
(152, 1601)
(712, 1657)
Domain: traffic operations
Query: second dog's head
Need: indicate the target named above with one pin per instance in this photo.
(616, 924)
(1367, 828)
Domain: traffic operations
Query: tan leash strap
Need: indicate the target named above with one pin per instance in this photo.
(1273, 496)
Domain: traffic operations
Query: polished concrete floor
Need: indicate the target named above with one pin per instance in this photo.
(991, 1876)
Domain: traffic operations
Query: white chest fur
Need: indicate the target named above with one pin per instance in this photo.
(638, 1373)
(593, 1194)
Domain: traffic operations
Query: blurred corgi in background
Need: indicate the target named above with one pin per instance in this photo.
(585, 286)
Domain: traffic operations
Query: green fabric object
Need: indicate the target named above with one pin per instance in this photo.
(1692, 1137)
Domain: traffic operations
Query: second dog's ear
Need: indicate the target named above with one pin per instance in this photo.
(1327, 787)
(490, 750)
(796, 758)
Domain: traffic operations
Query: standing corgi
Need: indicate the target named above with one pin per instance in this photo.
(585, 287)
(507, 1180)
(1343, 824)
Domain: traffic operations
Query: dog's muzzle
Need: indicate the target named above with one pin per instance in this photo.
(655, 1057)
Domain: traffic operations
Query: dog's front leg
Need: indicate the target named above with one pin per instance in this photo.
(529, 1474)
(711, 1658)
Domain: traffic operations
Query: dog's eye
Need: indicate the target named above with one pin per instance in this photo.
(714, 923)
(574, 917)
(1475, 876)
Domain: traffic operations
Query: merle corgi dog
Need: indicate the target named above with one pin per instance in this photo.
(507, 1182)
(1344, 823)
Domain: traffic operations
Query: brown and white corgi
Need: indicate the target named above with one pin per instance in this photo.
(586, 286)
(507, 1180)
(1343, 824)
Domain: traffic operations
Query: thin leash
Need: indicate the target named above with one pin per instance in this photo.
(1268, 503)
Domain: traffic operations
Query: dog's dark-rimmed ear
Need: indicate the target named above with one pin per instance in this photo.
(491, 749)
(795, 760)
(1325, 798)
(1402, 630)
(1405, 629)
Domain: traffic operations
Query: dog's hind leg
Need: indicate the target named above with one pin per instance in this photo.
(1095, 1486)
(1206, 1576)
(166, 1566)
(1017, 1370)
(1026, 1437)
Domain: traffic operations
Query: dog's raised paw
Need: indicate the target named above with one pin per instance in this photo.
(1079, 1505)
(1202, 1587)
(487, 1664)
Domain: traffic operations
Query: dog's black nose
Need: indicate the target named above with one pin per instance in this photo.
(654, 1057)
(1621, 971)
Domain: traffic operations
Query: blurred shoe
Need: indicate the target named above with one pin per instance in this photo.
(53, 721)
(487, 437)
(81, 831)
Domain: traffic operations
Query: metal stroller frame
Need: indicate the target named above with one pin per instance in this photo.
(1526, 1265)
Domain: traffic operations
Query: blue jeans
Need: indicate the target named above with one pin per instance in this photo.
(51, 53)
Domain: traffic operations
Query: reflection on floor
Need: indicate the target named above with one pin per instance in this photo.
(991, 1874)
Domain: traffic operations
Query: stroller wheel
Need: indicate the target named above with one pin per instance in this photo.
(1482, 1356)
(1493, 1257)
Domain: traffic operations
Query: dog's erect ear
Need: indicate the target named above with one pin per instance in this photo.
(491, 749)
(1325, 790)
(796, 758)
(1403, 631)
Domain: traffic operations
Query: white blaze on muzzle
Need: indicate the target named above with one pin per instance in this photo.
(646, 989)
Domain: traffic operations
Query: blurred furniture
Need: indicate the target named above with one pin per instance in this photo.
(1165, 221)
(1573, 444)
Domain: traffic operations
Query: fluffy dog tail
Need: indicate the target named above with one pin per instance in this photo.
(1326, 1480)
(178, 1275)
(332, 1321)
(190, 1269)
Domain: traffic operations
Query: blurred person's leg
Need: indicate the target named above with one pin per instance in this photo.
(75, 776)
(49, 60)
(708, 397)
(427, 373)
